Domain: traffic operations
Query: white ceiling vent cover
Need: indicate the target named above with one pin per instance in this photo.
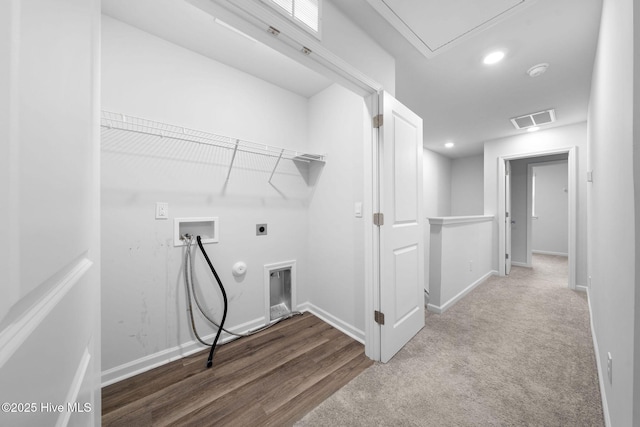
(534, 119)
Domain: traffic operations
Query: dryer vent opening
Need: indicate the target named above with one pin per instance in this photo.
(279, 293)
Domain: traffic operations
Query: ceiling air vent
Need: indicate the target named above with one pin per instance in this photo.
(534, 119)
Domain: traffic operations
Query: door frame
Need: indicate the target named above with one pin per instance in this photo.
(572, 152)
(372, 330)
(508, 240)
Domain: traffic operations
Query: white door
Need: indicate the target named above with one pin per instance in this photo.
(401, 235)
(507, 216)
(49, 220)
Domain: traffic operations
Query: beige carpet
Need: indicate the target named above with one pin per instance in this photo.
(516, 351)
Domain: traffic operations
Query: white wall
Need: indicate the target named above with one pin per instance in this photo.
(345, 39)
(460, 258)
(532, 144)
(49, 219)
(613, 214)
(467, 191)
(335, 280)
(308, 208)
(549, 231)
(437, 195)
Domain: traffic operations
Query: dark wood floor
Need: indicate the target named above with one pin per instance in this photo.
(271, 378)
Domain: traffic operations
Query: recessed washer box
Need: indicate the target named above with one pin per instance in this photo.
(205, 227)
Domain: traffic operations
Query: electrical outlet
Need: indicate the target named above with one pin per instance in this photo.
(162, 210)
(610, 368)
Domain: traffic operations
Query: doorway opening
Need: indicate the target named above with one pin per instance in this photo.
(537, 210)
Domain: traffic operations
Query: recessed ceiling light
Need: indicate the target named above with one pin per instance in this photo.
(449, 144)
(533, 129)
(493, 57)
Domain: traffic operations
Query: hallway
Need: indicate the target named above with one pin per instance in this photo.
(515, 351)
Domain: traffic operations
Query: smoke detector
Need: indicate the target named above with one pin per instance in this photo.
(537, 70)
(534, 119)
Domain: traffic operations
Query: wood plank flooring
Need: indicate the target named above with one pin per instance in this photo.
(269, 379)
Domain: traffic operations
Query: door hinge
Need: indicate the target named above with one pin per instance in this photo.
(506, 214)
(377, 121)
(378, 317)
(378, 219)
(506, 256)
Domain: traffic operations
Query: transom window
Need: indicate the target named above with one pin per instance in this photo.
(305, 13)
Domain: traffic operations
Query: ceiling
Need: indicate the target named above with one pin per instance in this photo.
(460, 99)
(463, 101)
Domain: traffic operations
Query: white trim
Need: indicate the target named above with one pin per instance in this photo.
(445, 220)
(444, 307)
(146, 363)
(581, 288)
(371, 231)
(14, 335)
(605, 406)
(564, 254)
(528, 213)
(332, 320)
(74, 389)
(572, 152)
(521, 264)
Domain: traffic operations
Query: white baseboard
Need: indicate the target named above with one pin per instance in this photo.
(550, 253)
(444, 307)
(146, 363)
(340, 325)
(581, 288)
(605, 406)
(521, 264)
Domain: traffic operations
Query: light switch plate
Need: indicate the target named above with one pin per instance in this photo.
(358, 209)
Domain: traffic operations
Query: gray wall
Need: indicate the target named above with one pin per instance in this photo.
(549, 232)
(467, 191)
(437, 195)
